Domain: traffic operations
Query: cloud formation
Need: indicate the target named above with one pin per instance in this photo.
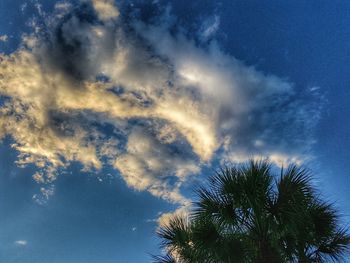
(21, 242)
(3, 38)
(95, 87)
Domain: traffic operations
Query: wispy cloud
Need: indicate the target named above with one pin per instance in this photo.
(43, 196)
(21, 242)
(101, 88)
(210, 27)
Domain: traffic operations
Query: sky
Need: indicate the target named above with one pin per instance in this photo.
(112, 112)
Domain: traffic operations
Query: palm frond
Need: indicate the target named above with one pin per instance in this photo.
(164, 259)
(336, 247)
(176, 233)
(219, 208)
(244, 215)
(294, 193)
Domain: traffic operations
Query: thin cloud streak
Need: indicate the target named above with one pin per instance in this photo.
(21, 242)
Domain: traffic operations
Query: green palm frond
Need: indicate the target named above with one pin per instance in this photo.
(219, 208)
(335, 247)
(247, 214)
(176, 233)
(163, 259)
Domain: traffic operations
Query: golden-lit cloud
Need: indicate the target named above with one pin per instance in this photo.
(170, 109)
(105, 9)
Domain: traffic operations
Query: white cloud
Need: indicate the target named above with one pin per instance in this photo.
(148, 163)
(169, 110)
(45, 193)
(210, 27)
(3, 38)
(21, 242)
(63, 6)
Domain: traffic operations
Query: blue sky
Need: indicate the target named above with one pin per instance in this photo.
(111, 113)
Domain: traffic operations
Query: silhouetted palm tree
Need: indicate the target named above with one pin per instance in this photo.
(249, 215)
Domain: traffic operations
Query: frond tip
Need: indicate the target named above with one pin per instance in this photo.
(163, 259)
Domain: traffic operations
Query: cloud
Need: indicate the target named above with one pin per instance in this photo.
(45, 193)
(104, 89)
(3, 38)
(210, 27)
(62, 6)
(105, 9)
(182, 211)
(21, 242)
(151, 162)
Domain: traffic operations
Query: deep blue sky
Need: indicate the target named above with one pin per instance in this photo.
(85, 220)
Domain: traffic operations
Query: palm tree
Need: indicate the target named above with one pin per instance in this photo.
(247, 214)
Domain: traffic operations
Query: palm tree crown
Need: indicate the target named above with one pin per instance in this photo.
(247, 214)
